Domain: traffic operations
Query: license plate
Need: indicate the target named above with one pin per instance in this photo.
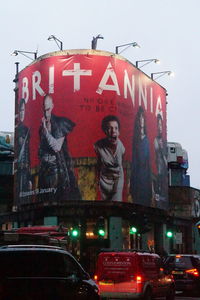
(106, 283)
(177, 272)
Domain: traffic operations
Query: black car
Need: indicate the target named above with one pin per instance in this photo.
(185, 269)
(43, 273)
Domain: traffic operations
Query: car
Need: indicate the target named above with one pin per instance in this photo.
(43, 272)
(132, 275)
(185, 269)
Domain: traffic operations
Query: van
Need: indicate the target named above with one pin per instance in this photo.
(44, 273)
(132, 275)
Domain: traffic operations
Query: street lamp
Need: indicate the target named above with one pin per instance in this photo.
(94, 41)
(58, 42)
(134, 44)
(146, 62)
(169, 73)
(16, 52)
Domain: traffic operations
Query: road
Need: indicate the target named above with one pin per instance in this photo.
(186, 298)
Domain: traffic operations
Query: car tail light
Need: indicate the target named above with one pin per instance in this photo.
(138, 278)
(95, 277)
(161, 269)
(192, 272)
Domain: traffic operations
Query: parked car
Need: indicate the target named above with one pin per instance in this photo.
(43, 272)
(185, 269)
(133, 275)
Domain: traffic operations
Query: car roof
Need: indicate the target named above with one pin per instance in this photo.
(32, 248)
(125, 253)
(185, 255)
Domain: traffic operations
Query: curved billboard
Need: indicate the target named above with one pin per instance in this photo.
(91, 126)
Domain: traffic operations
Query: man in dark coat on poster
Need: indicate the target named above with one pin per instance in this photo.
(56, 176)
(23, 154)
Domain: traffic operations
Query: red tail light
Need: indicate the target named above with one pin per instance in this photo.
(95, 277)
(192, 272)
(138, 278)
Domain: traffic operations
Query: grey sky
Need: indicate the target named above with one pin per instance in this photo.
(165, 29)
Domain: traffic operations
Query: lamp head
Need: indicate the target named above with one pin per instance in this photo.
(50, 38)
(136, 45)
(171, 74)
(157, 61)
(15, 53)
(99, 36)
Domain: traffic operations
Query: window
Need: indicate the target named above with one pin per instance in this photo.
(71, 267)
(172, 149)
(32, 263)
(180, 262)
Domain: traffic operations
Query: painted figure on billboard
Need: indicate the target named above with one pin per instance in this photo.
(23, 152)
(161, 162)
(56, 170)
(140, 181)
(110, 151)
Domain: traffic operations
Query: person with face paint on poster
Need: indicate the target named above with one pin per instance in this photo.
(110, 151)
(56, 170)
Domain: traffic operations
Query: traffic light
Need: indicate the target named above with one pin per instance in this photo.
(101, 232)
(133, 230)
(100, 227)
(140, 224)
(169, 234)
(75, 232)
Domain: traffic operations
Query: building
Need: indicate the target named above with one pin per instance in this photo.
(6, 171)
(91, 153)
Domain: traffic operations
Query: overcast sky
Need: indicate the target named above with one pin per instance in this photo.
(165, 29)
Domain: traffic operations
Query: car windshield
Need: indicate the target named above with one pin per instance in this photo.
(31, 263)
(182, 262)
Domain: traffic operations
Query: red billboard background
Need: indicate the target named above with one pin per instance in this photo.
(85, 87)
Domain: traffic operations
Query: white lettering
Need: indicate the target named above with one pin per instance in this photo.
(151, 99)
(36, 80)
(25, 91)
(51, 80)
(77, 73)
(142, 94)
(109, 87)
(129, 86)
(159, 107)
(38, 191)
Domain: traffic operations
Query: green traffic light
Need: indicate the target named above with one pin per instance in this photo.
(74, 232)
(169, 234)
(101, 232)
(133, 230)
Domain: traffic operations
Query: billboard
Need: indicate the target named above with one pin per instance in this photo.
(91, 126)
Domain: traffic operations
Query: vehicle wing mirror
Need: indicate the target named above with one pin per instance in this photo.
(86, 276)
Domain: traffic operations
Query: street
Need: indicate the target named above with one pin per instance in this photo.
(186, 298)
(180, 296)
